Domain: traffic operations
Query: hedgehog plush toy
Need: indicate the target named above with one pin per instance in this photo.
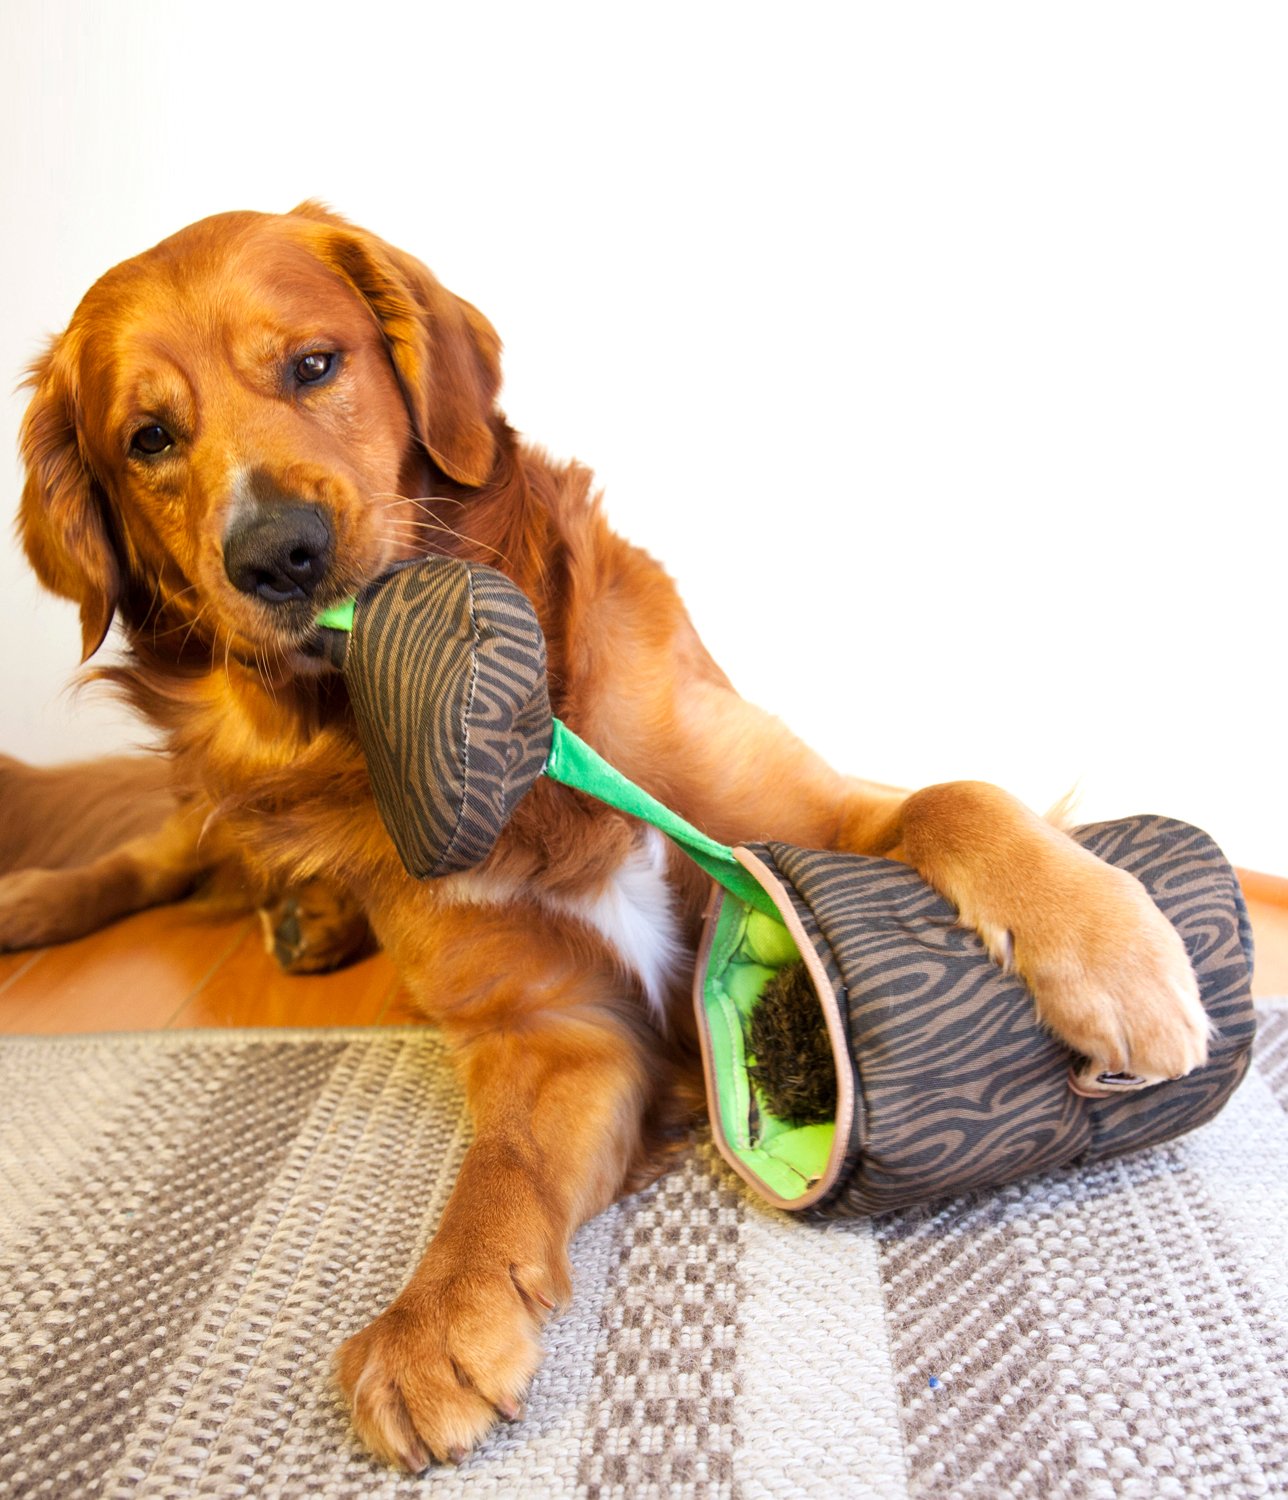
(862, 1051)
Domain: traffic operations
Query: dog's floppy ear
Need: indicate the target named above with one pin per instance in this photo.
(446, 353)
(62, 515)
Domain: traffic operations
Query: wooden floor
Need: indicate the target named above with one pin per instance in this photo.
(172, 967)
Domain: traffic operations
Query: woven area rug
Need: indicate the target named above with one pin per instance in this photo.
(193, 1221)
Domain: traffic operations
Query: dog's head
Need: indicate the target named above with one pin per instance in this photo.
(233, 418)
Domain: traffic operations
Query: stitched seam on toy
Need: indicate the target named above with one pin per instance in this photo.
(444, 864)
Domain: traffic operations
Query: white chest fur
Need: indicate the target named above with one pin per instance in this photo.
(632, 912)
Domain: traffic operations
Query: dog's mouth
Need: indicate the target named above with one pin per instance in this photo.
(313, 651)
(298, 637)
(300, 647)
(328, 641)
(325, 647)
(310, 638)
(321, 645)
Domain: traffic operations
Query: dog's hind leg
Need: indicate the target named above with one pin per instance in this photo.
(40, 906)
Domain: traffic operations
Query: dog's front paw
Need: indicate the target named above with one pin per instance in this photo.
(430, 1377)
(1112, 979)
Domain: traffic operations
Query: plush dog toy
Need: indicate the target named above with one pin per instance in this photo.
(862, 1050)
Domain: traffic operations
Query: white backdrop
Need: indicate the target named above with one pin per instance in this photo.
(957, 336)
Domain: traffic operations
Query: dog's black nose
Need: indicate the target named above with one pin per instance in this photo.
(278, 552)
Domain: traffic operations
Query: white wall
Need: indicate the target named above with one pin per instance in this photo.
(954, 337)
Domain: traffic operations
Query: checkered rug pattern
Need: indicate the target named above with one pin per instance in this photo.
(190, 1223)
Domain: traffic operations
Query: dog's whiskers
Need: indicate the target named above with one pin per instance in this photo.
(187, 625)
(152, 603)
(398, 547)
(429, 524)
(391, 498)
(262, 672)
(157, 611)
(196, 620)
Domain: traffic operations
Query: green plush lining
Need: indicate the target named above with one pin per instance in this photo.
(746, 951)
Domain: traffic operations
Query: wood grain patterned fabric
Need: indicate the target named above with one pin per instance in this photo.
(447, 672)
(958, 1085)
(191, 1222)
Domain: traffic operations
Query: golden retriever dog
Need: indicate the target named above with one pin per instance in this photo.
(258, 417)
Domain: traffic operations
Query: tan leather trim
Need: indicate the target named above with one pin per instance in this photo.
(845, 1096)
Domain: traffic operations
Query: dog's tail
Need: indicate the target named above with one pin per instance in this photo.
(1063, 811)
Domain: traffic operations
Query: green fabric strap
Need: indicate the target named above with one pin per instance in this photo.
(339, 616)
(573, 763)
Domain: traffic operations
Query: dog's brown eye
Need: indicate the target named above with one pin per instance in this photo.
(313, 367)
(151, 439)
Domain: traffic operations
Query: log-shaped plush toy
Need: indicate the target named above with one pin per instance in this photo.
(862, 1050)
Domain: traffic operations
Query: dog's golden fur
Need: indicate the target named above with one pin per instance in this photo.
(56, 817)
(85, 843)
(573, 1082)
